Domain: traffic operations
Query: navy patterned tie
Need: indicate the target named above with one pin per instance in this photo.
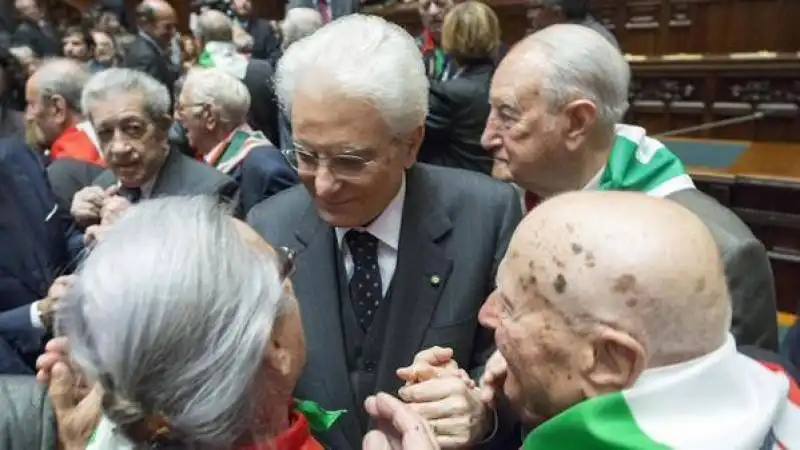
(366, 291)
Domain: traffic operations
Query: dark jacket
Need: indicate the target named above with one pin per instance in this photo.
(144, 55)
(263, 173)
(266, 44)
(263, 114)
(457, 116)
(43, 41)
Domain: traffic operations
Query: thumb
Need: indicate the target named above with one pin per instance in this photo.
(375, 440)
(112, 190)
(62, 383)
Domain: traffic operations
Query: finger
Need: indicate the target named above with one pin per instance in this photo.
(375, 440)
(61, 388)
(434, 356)
(432, 390)
(112, 190)
(449, 407)
(488, 394)
(58, 345)
(417, 373)
(401, 417)
(453, 429)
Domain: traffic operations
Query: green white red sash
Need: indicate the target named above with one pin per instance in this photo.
(723, 401)
(643, 164)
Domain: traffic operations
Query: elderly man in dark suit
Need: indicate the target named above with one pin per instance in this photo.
(149, 52)
(394, 257)
(130, 112)
(561, 133)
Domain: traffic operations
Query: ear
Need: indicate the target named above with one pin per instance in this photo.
(210, 120)
(279, 353)
(580, 117)
(412, 145)
(60, 108)
(618, 361)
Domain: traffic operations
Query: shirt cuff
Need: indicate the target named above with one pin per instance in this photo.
(36, 321)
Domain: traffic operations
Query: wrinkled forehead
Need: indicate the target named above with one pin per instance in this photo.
(515, 83)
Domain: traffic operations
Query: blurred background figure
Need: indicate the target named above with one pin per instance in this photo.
(105, 52)
(12, 120)
(150, 52)
(242, 41)
(27, 58)
(543, 13)
(189, 52)
(35, 30)
(432, 13)
(78, 44)
(328, 9)
(459, 107)
(266, 43)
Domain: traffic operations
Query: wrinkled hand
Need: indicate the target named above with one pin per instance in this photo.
(494, 376)
(60, 286)
(87, 204)
(452, 407)
(94, 234)
(112, 209)
(77, 407)
(434, 362)
(399, 428)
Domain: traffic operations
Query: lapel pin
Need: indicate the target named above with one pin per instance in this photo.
(435, 280)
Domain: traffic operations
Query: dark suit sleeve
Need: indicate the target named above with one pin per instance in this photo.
(263, 176)
(484, 341)
(440, 108)
(16, 329)
(143, 62)
(752, 290)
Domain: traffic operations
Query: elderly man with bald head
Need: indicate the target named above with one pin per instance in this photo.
(611, 318)
(557, 100)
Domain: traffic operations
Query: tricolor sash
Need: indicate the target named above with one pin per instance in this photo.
(234, 149)
(723, 400)
(642, 164)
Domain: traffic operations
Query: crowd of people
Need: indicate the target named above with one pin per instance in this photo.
(328, 233)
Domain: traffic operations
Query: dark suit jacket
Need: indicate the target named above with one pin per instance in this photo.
(747, 270)
(43, 43)
(456, 225)
(263, 114)
(33, 243)
(182, 175)
(263, 173)
(145, 56)
(68, 176)
(266, 44)
(27, 421)
(457, 116)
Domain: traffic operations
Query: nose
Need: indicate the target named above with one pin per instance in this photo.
(434, 9)
(489, 314)
(324, 182)
(490, 139)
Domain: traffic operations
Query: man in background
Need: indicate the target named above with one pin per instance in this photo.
(150, 50)
(266, 43)
(543, 13)
(35, 31)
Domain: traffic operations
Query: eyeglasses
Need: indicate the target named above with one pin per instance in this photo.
(344, 165)
(286, 265)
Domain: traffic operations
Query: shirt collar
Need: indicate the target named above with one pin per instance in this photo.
(387, 226)
(594, 183)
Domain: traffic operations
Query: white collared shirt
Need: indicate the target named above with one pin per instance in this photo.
(594, 183)
(386, 228)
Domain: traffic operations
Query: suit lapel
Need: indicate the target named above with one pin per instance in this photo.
(316, 285)
(423, 267)
(169, 177)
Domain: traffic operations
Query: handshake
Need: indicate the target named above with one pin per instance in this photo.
(441, 407)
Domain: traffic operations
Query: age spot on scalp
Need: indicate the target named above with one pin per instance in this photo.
(700, 286)
(590, 262)
(560, 284)
(624, 283)
(631, 302)
(577, 248)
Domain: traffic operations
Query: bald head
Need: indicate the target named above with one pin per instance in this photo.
(643, 265)
(214, 26)
(158, 19)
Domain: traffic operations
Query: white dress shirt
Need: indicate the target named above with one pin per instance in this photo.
(386, 228)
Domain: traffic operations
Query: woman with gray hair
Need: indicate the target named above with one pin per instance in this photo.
(186, 319)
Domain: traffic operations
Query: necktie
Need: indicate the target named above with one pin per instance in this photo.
(133, 195)
(324, 10)
(366, 291)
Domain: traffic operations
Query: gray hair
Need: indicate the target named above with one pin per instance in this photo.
(221, 91)
(363, 57)
(299, 23)
(64, 77)
(214, 26)
(579, 63)
(172, 313)
(115, 81)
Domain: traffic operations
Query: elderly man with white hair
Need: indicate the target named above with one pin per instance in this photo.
(212, 107)
(557, 100)
(394, 256)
